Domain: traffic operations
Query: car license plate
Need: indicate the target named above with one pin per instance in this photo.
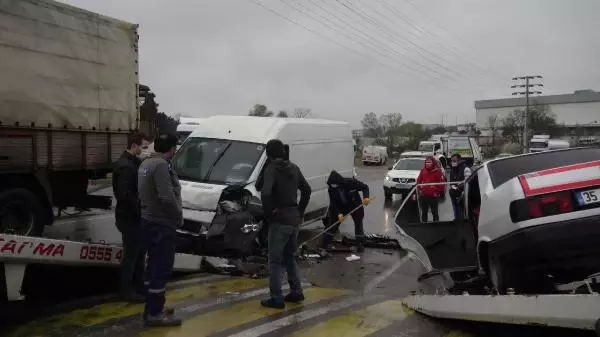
(403, 186)
(588, 197)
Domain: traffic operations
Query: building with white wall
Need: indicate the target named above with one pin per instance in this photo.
(580, 109)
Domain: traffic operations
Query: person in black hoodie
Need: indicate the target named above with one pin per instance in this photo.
(283, 213)
(459, 171)
(344, 197)
(127, 216)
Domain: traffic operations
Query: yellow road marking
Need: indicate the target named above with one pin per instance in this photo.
(108, 311)
(236, 315)
(358, 323)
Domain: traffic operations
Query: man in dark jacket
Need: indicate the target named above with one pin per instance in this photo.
(429, 195)
(284, 213)
(458, 173)
(127, 216)
(160, 196)
(343, 198)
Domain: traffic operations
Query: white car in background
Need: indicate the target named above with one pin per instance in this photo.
(402, 176)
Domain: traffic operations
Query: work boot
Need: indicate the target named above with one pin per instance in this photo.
(271, 303)
(323, 252)
(360, 248)
(132, 297)
(163, 319)
(294, 298)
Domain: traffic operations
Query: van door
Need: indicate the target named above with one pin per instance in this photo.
(447, 244)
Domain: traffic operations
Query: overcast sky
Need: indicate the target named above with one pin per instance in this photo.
(421, 58)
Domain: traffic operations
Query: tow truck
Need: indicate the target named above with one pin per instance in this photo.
(456, 256)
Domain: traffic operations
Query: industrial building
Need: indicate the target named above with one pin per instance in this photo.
(578, 111)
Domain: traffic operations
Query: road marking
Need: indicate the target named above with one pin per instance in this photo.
(109, 311)
(387, 273)
(297, 318)
(236, 315)
(358, 323)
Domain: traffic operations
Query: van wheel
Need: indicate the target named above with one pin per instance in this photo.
(21, 213)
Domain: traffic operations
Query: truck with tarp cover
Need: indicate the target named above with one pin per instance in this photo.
(68, 100)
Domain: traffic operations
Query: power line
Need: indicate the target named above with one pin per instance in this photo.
(324, 36)
(356, 52)
(368, 38)
(395, 37)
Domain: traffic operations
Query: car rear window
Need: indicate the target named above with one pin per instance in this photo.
(503, 170)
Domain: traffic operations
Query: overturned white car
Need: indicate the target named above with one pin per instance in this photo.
(529, 221)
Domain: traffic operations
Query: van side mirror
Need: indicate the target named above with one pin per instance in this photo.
(390, 168)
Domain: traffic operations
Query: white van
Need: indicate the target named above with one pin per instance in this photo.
(373, 154)
(229, 151)
(186, 126)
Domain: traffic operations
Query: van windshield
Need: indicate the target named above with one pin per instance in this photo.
(181, 136)
(426, 147)
(217, 161)
(415, 164)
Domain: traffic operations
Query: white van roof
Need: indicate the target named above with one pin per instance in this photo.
(190, 120)
(262, 129)
(186, 127)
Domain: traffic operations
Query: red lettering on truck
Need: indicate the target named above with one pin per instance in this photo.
(50, 250)
(13, 246)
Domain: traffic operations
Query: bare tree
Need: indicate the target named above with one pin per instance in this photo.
(493, 124)
(301, 112)
(282, 114)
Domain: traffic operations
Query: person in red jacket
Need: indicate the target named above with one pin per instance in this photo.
(430, 194)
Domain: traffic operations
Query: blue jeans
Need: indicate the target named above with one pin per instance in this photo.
(283, 244)
(456, 206)
(160, 240)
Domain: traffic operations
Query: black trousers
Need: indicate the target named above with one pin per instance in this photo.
(357, 218)
(428, 203)
(131, 276)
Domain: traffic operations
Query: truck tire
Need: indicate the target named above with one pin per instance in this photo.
(22, 207)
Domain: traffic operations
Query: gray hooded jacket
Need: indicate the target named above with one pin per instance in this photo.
(159, 191)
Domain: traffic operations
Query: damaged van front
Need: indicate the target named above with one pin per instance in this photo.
(221, 206)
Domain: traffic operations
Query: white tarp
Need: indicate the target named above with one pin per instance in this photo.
(65, 66)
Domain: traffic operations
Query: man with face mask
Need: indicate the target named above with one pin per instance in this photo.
(429, 194)
(458, 173)
(160, 196)
(127, 216)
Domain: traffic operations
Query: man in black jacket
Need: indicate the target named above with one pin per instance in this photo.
(343, 198)
(284, 213)
(127, 216)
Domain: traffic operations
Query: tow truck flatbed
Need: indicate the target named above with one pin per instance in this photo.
(16, 252)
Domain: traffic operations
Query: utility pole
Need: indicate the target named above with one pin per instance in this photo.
(527, 93)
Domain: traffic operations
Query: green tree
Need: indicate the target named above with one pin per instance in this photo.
(260, 110)
(414, 132)
(371, 126)
(282, 114)
(390, 126)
